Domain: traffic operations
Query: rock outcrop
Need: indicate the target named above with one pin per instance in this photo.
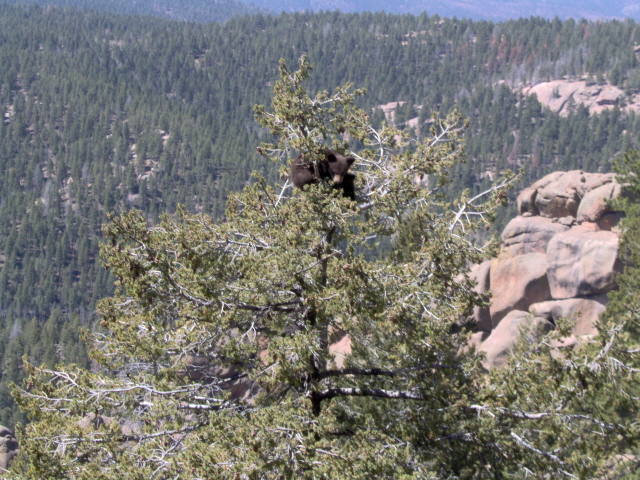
(583, 312)
(504, 337)
(529, 235)
(564, 96)
(582, 262)
(516, 282)
(594, 204)
(558, 259)
(559, 194)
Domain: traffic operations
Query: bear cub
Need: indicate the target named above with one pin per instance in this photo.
(333, 166)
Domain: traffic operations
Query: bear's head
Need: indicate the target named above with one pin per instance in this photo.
(338, 166)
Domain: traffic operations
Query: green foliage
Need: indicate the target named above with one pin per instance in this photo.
(102, 113)
(264, 293)
(313, 120)
(217, 357)
(188, 10)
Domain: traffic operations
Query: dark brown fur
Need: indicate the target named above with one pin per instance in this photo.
(333, 167)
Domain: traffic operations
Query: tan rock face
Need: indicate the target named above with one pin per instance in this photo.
(340, 350)
(564, 96)
(508, 332)
(558, 259)
(582, 261)
(526, 201)
(558, 198)
(529, 235)
(597, 202)
(583, 312)
(516, 283)
(559, 194)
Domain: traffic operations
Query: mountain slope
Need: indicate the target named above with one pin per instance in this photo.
(102, 113)
(476, 9)
(221, 10)
(183, 10)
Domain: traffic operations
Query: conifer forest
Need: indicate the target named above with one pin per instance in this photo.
(146, 231)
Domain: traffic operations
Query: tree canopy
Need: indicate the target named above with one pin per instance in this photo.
(218, 355)
(102, 113)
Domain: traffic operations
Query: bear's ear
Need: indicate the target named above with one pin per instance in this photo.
(350, 160)
(331, 157)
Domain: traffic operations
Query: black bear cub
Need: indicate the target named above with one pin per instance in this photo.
(333, 166)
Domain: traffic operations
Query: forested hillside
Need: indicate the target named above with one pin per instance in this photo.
(101, 114)
(191, 11)
(220, 10)
(476, 9)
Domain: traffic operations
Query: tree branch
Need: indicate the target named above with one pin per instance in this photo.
(377, 371)
(318, 397)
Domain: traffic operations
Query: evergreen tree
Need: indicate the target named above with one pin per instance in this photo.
(102, 113)
(265, 293)
(219, 358)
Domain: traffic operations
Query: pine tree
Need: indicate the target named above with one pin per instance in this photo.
(218, 357)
